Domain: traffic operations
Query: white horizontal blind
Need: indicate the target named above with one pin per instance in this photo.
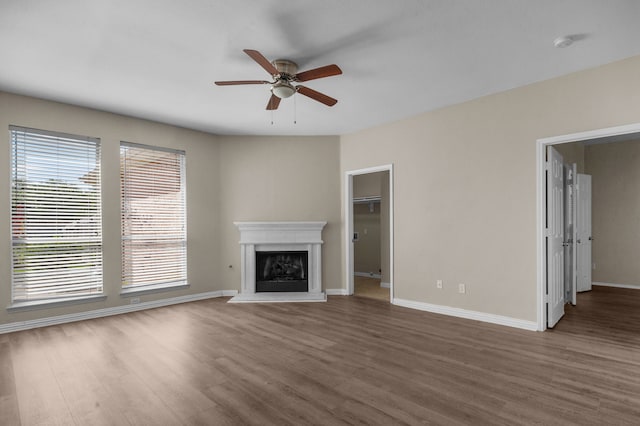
(154, 237)
(55, 214)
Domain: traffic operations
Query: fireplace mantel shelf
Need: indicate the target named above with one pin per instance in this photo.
(280, 236)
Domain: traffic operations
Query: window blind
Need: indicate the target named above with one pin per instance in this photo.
(154, 251)
(55, 214)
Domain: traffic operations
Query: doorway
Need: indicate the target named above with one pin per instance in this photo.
(369, 201)
(614, 134)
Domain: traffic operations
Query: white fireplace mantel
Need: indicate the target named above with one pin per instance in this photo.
(280, 236)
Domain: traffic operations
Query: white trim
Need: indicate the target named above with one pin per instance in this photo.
(466, 314)
(31, 305)
(99, 313)
(278, 297)
(385, 285)
(541, 203)
(632, 286)
(348, 214)
(365, 200)
(153, 288)
(337, 292)
(367, 275)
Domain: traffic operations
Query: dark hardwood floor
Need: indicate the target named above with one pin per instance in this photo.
(351, 360)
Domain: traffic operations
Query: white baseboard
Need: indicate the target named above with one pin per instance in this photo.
(336, 292)
(367, 275)
(98, 313)
(385, 285)
(464, 313)
(633, 286)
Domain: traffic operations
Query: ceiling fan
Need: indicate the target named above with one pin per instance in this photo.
(284, 74)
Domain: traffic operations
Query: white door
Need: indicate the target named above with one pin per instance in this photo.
(570, 213)
(555, 237)
(584, 238)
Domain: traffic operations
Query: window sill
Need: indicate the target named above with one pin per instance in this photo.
(54, 303)
(157, 288)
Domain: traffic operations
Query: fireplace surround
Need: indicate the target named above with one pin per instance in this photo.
(289, 245)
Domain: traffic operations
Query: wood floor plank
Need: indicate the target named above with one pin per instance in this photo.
(39, 396)
(351, 360)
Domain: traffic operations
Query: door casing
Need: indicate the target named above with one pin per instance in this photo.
(541, 203)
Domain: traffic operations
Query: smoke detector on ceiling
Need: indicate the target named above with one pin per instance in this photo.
(562, 42)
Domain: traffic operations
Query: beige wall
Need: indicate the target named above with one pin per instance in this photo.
(465, 184)
(373, 185)
(202, 173)
(615, 181)
(572, 153)
(366, 251)
(279, 179)
(367, 185)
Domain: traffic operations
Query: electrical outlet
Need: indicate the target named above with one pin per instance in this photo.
(134, 300)
(594, 266)
(462, 288)
(439, 284)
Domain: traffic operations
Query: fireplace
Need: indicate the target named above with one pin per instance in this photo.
(280, 262)
(281, 271)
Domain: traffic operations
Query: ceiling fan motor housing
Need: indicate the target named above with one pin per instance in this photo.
(287, 69)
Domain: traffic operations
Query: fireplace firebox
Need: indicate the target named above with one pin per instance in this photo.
(282, 271)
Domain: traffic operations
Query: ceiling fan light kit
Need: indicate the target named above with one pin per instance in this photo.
(283, 89)
(284, 73)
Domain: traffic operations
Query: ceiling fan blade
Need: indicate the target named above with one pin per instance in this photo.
(274, 102)
(234, 83)
(320, 97)
(326, 71)
(262, 61)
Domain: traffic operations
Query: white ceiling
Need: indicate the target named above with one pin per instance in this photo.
(157, 59)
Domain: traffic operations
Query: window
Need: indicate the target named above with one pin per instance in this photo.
(154, 249)
(56, 227)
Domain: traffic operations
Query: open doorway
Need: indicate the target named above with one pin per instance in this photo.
(369, 232)
(608, 156)
(370, 235)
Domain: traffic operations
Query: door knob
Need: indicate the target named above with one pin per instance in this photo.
(578, 241)
(590, 238)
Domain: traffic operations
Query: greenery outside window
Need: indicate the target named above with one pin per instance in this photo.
(56, 223)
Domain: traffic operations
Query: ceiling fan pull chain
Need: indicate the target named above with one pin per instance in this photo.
(272, 117)
(295, 111)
